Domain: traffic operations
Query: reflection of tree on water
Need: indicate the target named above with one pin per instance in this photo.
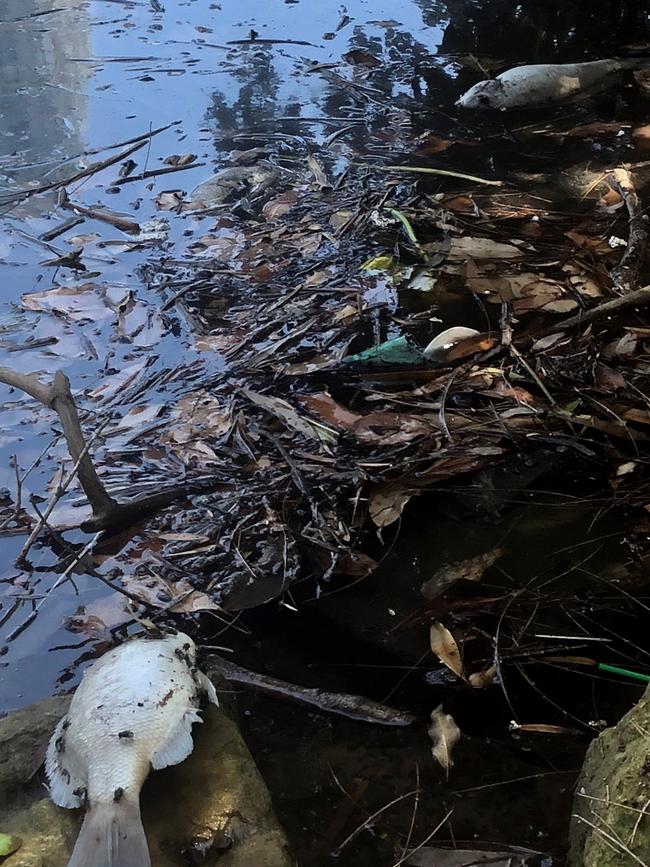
(257, 103)
(42, 104)
(540, 30)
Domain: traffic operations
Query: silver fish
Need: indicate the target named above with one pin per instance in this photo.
(541, 83)
(133, 711)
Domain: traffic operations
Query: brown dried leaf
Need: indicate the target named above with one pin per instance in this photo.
(461, 205)
(608, 378)
(326, 408)
(638, 416)
(482, 248)
(169, 201)
(321, 181)
(481, 679)
(387, 502)
(444, 734)
(596, 244)
(443, 645)
(471, 569)
(432, 144)
(159, 593)
(359, 57)
(280, 205)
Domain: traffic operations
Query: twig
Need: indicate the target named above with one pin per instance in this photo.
(146, 159)
(62, 577)
(336, 852)
(425, 170)
(51, 234)
(153, 173)
(93, 168)
(639, 297)
(416, 804)
(616, 844)
(426, 839)
(58, 493)
(124, 224)
(625, 276)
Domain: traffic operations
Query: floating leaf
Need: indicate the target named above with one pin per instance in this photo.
(444, 734)
(471, 569)
(387, 503)
(443, 645)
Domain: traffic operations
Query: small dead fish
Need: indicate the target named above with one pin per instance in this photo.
(133, 711)
(541, 83)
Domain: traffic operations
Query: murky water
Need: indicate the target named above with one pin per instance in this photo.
(92, 74)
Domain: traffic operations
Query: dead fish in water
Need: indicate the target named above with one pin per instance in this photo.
(133, 711)
(541, 83)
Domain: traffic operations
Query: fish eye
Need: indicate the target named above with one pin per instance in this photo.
(483, 99)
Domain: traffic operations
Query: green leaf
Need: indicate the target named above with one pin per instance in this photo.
(9, 844)
(379, 263)
(396, 351)
(410, 231)
(571, 407)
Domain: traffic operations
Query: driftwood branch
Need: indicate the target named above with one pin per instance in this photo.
(108, 514)
(58, 397)
(625, 276)
(339, 703)
(124, 224)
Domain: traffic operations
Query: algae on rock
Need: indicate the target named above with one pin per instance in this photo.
(611, 822)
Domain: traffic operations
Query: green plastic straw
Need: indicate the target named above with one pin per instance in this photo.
(634, 675)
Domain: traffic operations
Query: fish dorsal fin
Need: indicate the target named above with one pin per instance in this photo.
(205, 685)
(179, 743)
(67, 789)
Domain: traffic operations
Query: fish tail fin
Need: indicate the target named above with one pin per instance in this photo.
(112, 836)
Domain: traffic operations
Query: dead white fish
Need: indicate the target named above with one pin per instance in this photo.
(133, 711)
(541, 83)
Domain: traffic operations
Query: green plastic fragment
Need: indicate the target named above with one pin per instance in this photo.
(625, 672)
(9, 844)
(396, 351)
